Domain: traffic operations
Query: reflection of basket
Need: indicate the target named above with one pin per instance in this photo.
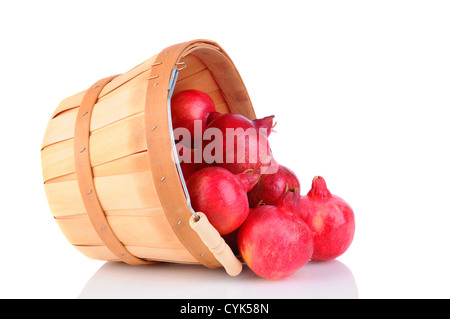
(109, 174)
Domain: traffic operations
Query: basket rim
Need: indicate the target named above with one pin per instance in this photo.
(158, 132)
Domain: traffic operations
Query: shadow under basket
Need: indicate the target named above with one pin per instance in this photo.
(107, 161)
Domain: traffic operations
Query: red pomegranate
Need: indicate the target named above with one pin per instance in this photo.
(271, 187)
(191, 160)
(191, 107)
(331, 220)
(274, 242)
(221, 196)
(240, 144)
(212, 116)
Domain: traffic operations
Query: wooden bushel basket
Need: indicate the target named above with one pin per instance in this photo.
(110, 176)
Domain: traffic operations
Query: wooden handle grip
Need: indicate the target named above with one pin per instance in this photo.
(212, 239)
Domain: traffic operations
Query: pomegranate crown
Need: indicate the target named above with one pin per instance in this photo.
(248, 179)
(319, 189)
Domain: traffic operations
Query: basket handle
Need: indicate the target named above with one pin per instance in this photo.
(216, 244)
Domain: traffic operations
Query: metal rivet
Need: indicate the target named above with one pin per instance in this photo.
(90, 191)
(156, 84)
(154, 127)
(123, 255)
(167, 53)
(162, 179)
(179, 222)
(103, 228)
(83, 149)
(202, 254)
(97, 86)
(85, 113)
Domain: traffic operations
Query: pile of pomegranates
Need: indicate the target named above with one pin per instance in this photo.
(253, 201)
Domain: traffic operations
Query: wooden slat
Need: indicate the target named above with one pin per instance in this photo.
(222, 108)
(79, 231)
(156, 254)
(166, 255)
(64, 198)
(148, 231)
(126, 165)
(217, 97)
(106, 144)
(60, 128)
(97, 252)
(75, 100)
(202, 81)
(127, 100)
(69, 103)
(57, 160)
(118, 192)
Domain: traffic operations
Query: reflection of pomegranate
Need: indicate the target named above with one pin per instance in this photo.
(221, 196)
(274, 242)
(244, 142)
(189, 106)
(271, 187)
(330, 219)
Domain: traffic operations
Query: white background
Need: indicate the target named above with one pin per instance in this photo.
(361, 93)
